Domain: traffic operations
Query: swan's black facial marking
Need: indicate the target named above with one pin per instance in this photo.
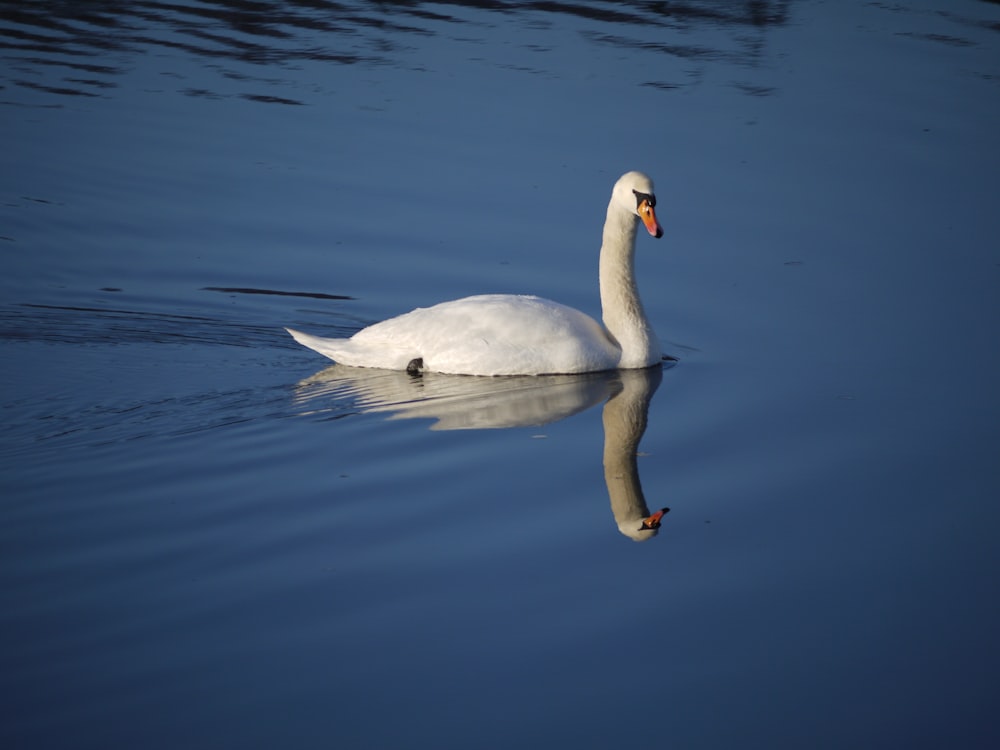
(647, 197)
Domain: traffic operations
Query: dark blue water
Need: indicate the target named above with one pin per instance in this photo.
(209, 539)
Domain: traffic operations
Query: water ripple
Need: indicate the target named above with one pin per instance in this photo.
(43, 37)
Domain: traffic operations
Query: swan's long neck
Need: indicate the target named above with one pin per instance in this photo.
(624, 316)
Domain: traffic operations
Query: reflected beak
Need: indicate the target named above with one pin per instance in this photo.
(648, 216)
(653, 521)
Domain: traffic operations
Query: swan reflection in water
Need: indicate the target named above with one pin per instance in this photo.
(461, 402)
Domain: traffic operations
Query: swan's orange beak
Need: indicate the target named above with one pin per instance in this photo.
(653, 521)
(648, 216)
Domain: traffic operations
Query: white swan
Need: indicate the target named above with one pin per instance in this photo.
(507, 334)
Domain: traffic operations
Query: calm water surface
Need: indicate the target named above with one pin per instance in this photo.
(208, 538)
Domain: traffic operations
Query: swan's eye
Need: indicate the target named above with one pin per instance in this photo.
(641, 198)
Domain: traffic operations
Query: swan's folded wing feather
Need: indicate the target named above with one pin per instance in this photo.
(496, 334)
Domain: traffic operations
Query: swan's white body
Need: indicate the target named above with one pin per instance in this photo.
(505, 334)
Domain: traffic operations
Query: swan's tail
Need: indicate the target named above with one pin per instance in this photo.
(331, 348)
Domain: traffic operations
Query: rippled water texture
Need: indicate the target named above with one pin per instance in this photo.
(210, 537)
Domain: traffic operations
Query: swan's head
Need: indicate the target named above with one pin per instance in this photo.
(634, 193)
(641, 529)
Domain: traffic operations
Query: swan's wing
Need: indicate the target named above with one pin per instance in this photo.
(496, 334)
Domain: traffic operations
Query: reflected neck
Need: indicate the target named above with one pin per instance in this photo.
(624, 420)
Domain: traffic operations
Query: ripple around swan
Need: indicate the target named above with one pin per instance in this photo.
(110, 317)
